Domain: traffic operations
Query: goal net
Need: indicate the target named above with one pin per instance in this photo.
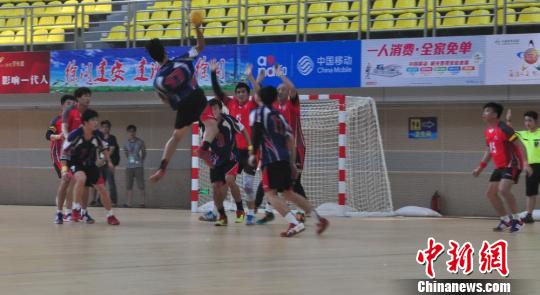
(344, 171)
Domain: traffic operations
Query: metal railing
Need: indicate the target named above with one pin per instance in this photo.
(75, 25)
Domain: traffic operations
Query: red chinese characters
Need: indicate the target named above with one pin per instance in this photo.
(429, 256)
(461, 257)
(117, 73)
(494, 257)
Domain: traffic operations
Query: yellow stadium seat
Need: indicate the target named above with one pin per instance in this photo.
(177, 4)
(317, 9)
(231, 29)
(356, 23)
(477, 5)
(291, 27)
(175, 16)
(39, 10)
(381, 7)
(89, 6)
(19, 38)
(139, 34)
(422, 20)
(159, 17)
(103, 6)
(407, 21)
(255, 27)
(510, 16)
(338, 8)
(317, 25)
(449, 5)
(86, 21)
(383, 22)
(339, 24)
(40, 36)
(275, 26)
(45, 22)
(154, 31)
(199, 3)
(521, 3)
(232, 13)
(215, 14)
(220, 2)
(142, 17)
(479, 17)
(15, 23)
(69, 7)
(355, 6)
(54, 8)
(529, 15)
(422, 5)
(454, 18)
(161, 5)
(117, 33)
(2, 22)
(174, 31)
(6, 37)
(6, 11)
(277, 11)
(56, 35)
(65, 22)
(405, 6)
(213, 29)
(293, 10)
(256, 12)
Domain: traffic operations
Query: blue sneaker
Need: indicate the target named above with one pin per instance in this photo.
(516, 225)
(503, 225)
(250, 220)
(59, 218)
(208, 216)
(268, 216)
(87, 218)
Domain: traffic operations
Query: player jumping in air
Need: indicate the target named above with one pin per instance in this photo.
(80, 152)
(504, 149)
(272, 134)
(177, 87)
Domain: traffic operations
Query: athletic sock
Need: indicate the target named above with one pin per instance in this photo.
(505, 218)
(222, 213)
(239, 206)
(110, 213)
(77, 206)
(58, 211)
(250, 212)
(83, 212)
(291, 218)
(268, 208)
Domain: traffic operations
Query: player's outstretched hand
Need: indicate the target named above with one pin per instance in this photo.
(249, 70)
(279, 70)
(477, 171)
(213, 65)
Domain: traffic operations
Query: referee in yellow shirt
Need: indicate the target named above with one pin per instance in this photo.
(531, 141)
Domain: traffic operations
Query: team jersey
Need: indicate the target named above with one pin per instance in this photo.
(291, 112)
(531, 141)
(79, 151)
(176, 80)
(72, 117)
(223, 147)
(55, 128)
(499, 140)
(270, 130)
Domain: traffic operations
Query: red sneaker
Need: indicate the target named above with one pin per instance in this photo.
(322, 225)
(112, 220)
(206, 156)
(293, 230)
(157, 175)
(75, 215)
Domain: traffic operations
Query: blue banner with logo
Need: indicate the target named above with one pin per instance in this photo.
(332, 64)
(423, 128)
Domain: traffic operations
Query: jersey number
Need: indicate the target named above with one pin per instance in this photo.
(492, 148)
(175, 79)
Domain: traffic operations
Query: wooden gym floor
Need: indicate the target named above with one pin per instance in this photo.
(171, 252)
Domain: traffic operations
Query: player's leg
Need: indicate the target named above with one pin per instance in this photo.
(231, 169)
(505, 191)
(168, 152)
(247, 184)
(106, 201)
(79, 179)
(139, 177)
(69, 200)
(304, 204)
(493, 197)
(130, 178)
(531, 188)
(268, 210)
(60, 198)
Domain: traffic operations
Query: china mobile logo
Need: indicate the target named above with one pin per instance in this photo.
(267, 64)
(492, 256)
(305, 65)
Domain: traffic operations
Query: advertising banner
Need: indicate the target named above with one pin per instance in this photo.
(513, 59)
(423, 62)
(24, 72)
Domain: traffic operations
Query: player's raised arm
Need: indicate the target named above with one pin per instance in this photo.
(201, 43)
(256, 83)
(215, 83)
(293, 93)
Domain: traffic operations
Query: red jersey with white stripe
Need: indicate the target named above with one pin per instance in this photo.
(55, 127)
(73, 118)
(241, 114)
(503, 152)
(291, 111)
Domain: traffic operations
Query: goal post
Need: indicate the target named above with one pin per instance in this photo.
(345, 169)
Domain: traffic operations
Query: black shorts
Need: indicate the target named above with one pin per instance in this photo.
(532, 181)
(277, 176)
(505, 173)
(243, 163)
(218, 174)
(93, 175)
(190, 109)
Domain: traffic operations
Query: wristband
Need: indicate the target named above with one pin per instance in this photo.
(64, 169)
(250, 148)
(483, 165)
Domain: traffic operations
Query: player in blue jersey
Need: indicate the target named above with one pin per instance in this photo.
(272, 134)
(176, 85)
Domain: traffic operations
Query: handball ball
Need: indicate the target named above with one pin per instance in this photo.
(196, 17)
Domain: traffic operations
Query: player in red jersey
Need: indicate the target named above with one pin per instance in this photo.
(505, 151)
(240, 106)
(71, 120)
(55, 136)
